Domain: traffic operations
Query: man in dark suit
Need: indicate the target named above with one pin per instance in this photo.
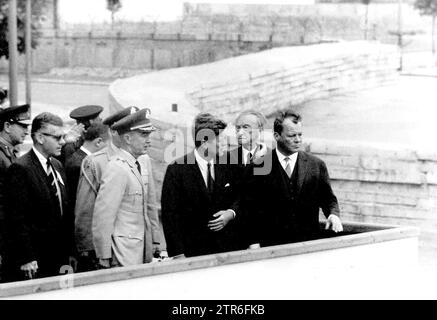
(249, 126)
(200, 197)
(13, 130)
(38, 220)
(285, 198)
(95, 138)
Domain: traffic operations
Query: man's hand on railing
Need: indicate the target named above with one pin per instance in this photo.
(30, 269)
(334, 223)
(105, 263)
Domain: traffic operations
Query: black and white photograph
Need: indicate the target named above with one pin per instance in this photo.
(221, 150)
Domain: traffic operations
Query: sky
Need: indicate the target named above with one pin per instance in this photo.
(72, 11)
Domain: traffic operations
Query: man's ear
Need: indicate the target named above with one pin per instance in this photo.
(126, 137)
(39, 138)
(276, 136)
(7, 127)
(98, 141)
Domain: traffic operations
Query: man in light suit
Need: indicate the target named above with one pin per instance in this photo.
(122, 226)
(199, 199)
(90, 179)
(95, 138)
(38, 220)
(285, 201)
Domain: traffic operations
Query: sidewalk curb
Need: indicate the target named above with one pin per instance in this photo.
(80, 82)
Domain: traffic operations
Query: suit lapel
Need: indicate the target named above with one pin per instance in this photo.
(196, 174)
(40, 174)
(302, 167)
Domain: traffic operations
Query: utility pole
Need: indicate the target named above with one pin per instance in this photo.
(400, 44)
(28, 39)
(12, 26)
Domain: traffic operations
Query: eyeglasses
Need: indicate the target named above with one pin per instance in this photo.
(56, 137)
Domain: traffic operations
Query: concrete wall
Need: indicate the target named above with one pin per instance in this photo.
(379, 185)
(147, 51)
(209, 33)
(271, 89)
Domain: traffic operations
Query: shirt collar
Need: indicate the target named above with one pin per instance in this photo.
(85, 150)
(41, 158)
(202, 161)
(246, 152)
(282, 157)
(129, 157)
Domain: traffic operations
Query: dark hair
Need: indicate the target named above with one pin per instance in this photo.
(44, 119)
(261, 118)
(206, 121)
(96, 130)
(277, 125)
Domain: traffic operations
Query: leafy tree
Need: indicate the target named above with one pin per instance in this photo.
(429, 8)
(114, 6)
(38, 9)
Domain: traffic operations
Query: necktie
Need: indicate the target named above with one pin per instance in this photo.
(138, 166)
(249, 158)
(288, 167)
(210, 181)
(53, 188)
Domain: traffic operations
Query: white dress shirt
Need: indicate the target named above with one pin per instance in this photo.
(85, 150)
(283, 161)
(203, 166)
(246, 152)
(43, 161)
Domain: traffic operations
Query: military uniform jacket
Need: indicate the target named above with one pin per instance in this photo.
(89, 183)
(7, 157)
(121, 225)
(90, 180)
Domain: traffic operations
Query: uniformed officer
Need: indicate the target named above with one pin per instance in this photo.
(89, 183)
(124, 212)
(14, 122)
(84, 116)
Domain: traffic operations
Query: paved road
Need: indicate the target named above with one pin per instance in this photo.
(403, 113)
(61, 97)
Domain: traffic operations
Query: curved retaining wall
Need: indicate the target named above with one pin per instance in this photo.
(373, 184)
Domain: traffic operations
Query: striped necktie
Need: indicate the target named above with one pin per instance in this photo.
(54, 183)
(288, 167)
